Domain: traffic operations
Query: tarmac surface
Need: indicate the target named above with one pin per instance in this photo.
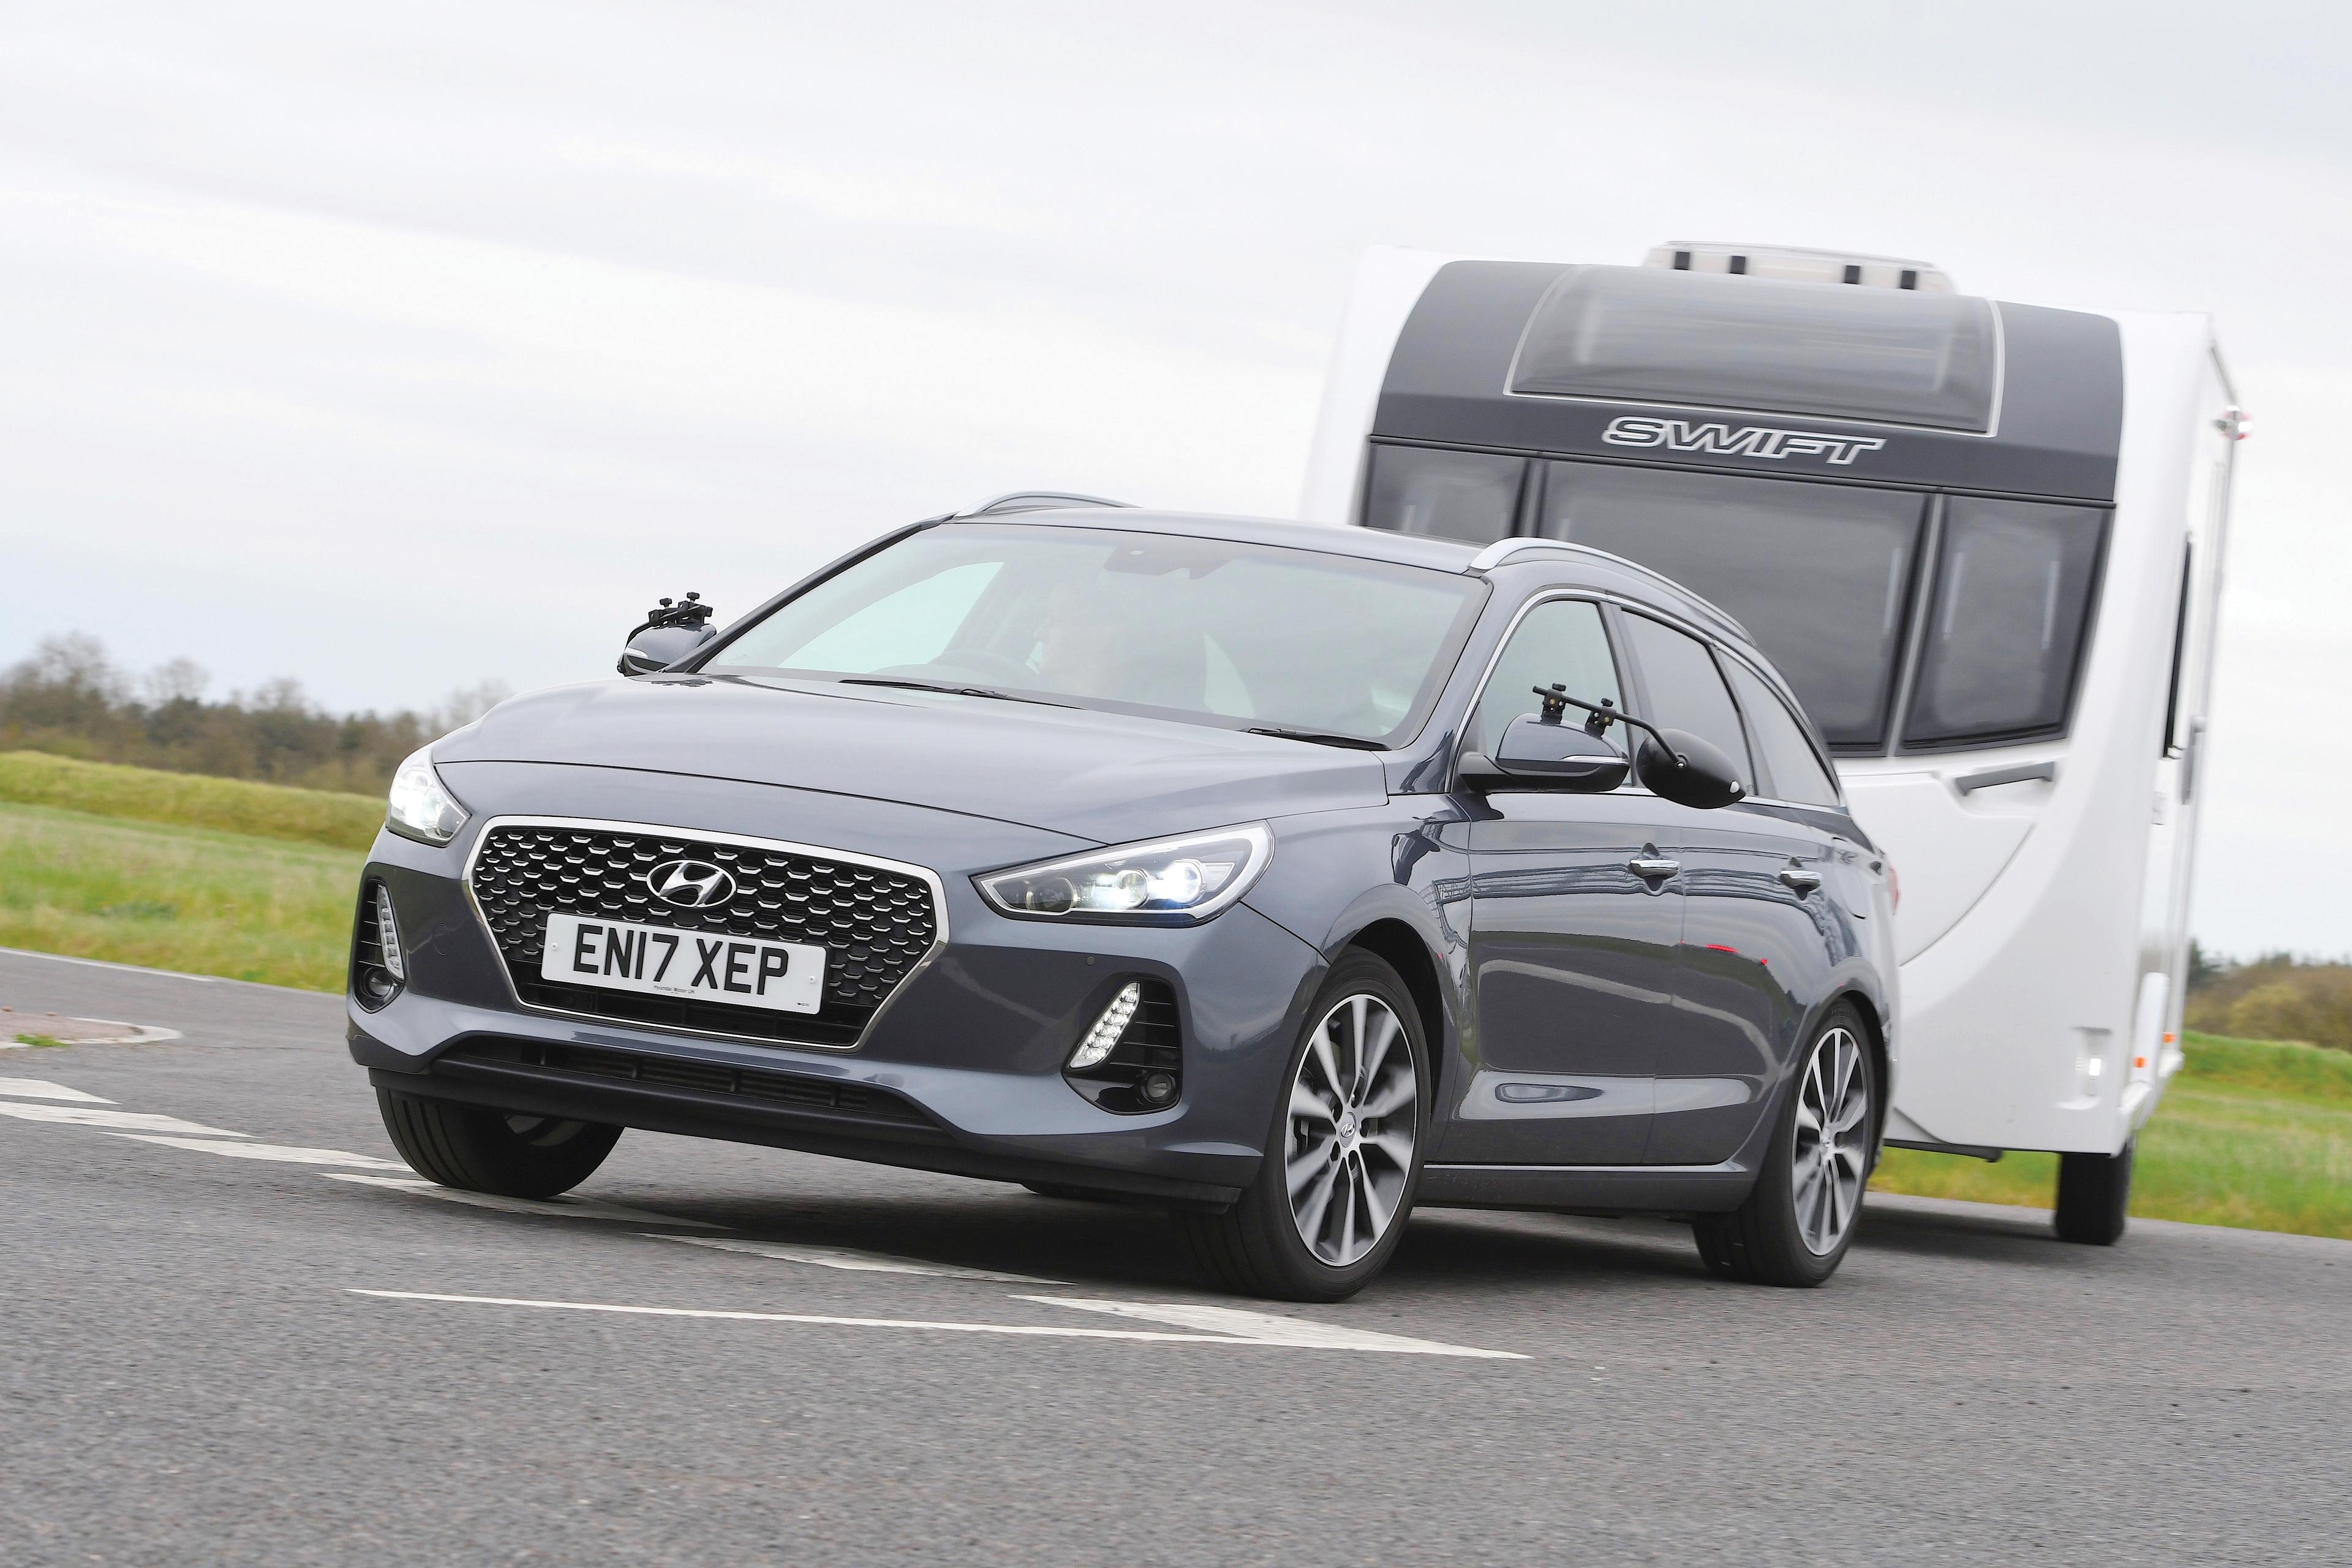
(238, 1331)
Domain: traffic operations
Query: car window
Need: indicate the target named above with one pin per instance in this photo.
(1788, 756)
(1559, 640)
(1685, 690)
(1193, 629)
(912, 623)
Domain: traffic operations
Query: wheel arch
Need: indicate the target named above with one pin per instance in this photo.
(1873, 1031)
(1404, 950)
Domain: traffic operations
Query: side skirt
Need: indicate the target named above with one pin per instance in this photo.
(1588, 1189)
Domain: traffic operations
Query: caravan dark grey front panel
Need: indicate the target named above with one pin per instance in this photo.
(1604, 362)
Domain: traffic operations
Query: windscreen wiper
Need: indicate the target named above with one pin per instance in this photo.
(947, 689)
(1317, 737)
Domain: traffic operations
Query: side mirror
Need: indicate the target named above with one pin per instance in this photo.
(1544, 753)
(671, 630)
(1692, 772)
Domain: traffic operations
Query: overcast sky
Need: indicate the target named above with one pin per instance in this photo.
(397, 347)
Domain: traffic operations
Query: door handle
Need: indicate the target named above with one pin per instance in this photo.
(1651, 869)
(1800, 880)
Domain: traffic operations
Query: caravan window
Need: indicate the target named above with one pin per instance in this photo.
(1469, 496)
(2012, 602)
(1631, 334)
(1820, 575)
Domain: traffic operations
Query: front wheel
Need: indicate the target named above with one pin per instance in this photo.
(481, 1151)
(1343, 1156)
(1799, 1218)
(2094, 1197)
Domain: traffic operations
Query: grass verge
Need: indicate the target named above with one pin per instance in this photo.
(2252, 1133)
(191, 800)
(176, 898)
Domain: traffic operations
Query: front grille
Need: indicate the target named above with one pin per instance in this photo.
(875, 925)
(858, 1102)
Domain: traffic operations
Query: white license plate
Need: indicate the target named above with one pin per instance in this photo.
(741, 971)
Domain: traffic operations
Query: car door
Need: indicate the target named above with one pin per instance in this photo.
(1756, 942)
(1571, 949)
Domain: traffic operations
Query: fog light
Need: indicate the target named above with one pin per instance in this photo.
(1109, 1027)
(1157, 1089)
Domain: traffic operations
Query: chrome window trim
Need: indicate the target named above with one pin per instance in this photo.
(930, 877)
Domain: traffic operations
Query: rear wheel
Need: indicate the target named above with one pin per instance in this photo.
(1343, 1157)
(481, 1151)
(2094, 1197)
(1799, 1218)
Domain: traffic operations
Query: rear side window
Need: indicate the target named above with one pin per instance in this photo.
(1560, 641)
(1470, 496)
(1686, 691)
(1797, 774)
(2005, 628)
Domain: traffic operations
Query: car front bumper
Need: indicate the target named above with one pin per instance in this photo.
(961, 1071)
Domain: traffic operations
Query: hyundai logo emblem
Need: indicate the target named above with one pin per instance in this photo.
(690, 884)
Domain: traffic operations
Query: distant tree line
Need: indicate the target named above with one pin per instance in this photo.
(2278, 997)
(70, 699)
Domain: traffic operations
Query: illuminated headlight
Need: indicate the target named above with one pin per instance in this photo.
(421, 807)
(1169, 881)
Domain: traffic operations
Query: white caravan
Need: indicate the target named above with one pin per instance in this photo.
(1982, 540)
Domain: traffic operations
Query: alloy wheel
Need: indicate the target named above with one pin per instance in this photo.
(1355, 1106)
(1831, 1151)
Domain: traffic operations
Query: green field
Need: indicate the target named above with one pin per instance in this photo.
(189, 898)
(191, 800)
(2253, 1133)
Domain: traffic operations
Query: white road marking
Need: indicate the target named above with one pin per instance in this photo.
(284, 1153)
(856, 1262)
(1026, 1330)
(558, 1208)
(42, 1089)
(1269, 1329)
(113, 1120)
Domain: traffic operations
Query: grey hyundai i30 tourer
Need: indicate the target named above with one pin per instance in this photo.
(1284, 877)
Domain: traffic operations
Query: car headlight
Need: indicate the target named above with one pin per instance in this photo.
(421, 807)
(1169, 881)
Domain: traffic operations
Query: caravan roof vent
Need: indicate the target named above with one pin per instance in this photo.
(1799, 266)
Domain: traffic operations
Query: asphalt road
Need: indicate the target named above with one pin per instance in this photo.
(195, 1370)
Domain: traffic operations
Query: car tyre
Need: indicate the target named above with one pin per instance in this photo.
(2094, 1197)
(1344, 1152)
(1799, 1217)
(482, 1151)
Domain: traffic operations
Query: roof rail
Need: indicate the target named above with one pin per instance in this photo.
(1503, 550)
(1038, 501)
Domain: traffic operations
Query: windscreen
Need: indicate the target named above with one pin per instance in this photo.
(1631, 334)
(1820, 575)
(1207, 631)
